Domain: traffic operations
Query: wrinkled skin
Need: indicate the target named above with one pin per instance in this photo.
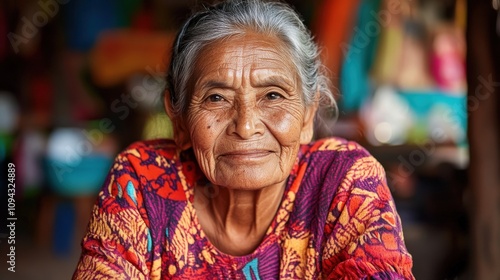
(245, 122)
(246, 112)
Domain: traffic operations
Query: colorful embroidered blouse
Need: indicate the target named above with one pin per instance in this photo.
(337, 220)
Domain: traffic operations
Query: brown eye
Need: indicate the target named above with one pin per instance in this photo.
(273, 96)
(215, 98)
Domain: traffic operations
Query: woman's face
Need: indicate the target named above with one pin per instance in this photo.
(247, 117)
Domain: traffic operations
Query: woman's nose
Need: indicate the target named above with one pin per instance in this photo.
(247, 122)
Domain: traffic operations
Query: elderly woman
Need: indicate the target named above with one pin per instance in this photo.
(243, 193)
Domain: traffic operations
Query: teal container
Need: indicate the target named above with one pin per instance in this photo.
(421, 103)
(84, 177)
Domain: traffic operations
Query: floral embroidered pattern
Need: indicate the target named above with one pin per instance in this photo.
(337, 220)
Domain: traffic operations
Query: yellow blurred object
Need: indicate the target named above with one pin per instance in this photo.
(118, 54)
(158, 126)
(388, 55)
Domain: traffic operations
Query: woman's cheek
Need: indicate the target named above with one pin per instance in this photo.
(206, 163)
(286, 127)
(204, 131)
(201, 127)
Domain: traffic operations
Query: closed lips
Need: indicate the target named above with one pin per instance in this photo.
(247, 153)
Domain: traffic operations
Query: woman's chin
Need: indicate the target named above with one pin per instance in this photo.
(249, 178)
(248, 181)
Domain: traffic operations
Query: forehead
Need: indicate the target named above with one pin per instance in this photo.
(246, 53)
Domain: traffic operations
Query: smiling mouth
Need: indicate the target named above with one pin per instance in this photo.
(246, 155)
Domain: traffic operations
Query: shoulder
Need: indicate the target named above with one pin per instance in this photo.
(147, 160)
(337, 152)
(336, 145)
(149, 152)
(162, 147)
(152, 167)
(347, 160)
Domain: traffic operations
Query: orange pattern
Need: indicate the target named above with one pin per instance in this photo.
(337, 220)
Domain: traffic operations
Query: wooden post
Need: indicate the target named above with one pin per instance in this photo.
(483, 77)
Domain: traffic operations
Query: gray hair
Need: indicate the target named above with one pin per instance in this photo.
(237, 17)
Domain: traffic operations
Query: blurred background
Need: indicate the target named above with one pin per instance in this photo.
(416, 83)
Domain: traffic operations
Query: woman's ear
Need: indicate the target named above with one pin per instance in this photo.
(181, 134)
(307, 131)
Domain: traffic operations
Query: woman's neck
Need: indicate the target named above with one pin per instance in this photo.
(235, 221)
